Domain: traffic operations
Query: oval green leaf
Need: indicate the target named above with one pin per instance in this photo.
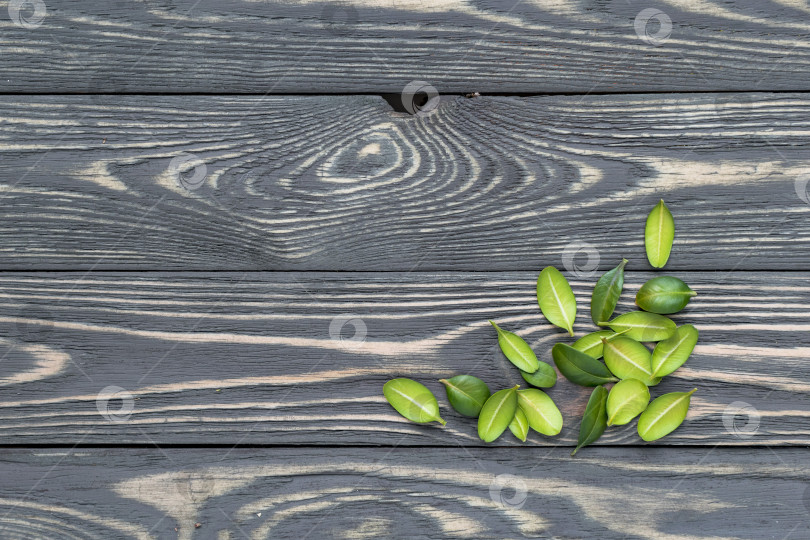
(627, 399)
(659, 234)
(671, 353)
(519, 426)
(497, 413)
(606, 293)
(467, 394)
(412, 400)
(541, 412)
(594, 420)
(642, 326)
(544, 377)
(556, 299)
(629, 359)
(664, 295)
(591, 344)
(664, 415)
(516, 350)
(579, 368)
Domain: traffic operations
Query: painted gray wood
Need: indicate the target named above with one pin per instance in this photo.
(286, 493)
(301, 358)
(344, 183)
(375, 46)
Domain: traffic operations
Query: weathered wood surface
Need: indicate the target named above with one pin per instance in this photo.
(284, 493)
(344, 183)
(299, 46)
(291, 358)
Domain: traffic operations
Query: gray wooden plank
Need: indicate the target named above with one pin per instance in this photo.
(344, 183)
(285, 358)
(299, 46)
(612, 493)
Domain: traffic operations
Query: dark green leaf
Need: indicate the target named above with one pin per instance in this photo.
(606, 293)
(579, 368)
(664, 295)
(544, 377)
(594, 421)
(467, 394)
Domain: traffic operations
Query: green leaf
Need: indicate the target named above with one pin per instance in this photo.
(579, 368)
(659, 234)
(467, 394)
(664, 295)
(591, 344)
(519, 426)
(497, 413)
(516, 350)
(556, 299)
(606, 293)
(541, 412)
(627, 399)
(594, 420)
(642, 326)
(664, 415)
(412, 400)
(629, 359)
(544, 377)
(671, 353)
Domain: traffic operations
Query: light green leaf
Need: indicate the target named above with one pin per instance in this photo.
(516, 350)
(594, 420)
(541, 412)
(664, 295)
(606, 293)
(671, 353)
(659, 234)
(467, 394)
(627, 399)
(664, 415)
(556, 299)
(591, 344)
(497, 413)
(629, 359)
(412, 400)
(642, 326)
(519, 426)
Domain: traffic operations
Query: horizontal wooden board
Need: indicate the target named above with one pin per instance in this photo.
(344, 183)
(290, 358)
(295, 493)
(300, 46)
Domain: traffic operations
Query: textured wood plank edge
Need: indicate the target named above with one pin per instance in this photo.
(343, 183)
(283, 358)
(629, 493)
(379, 46)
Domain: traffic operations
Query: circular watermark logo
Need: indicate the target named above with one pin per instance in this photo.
(419, 97)
(653, 26)
(801, 187)
(741, 419)
(109, 398)
(337, 325)
(508, 491)
(27, 13)
(573, 255)
(195, 486)
(188, 171)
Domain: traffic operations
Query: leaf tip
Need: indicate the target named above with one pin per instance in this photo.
(692, 391)
(441, 421)
(575, 451)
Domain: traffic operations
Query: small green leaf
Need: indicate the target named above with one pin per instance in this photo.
(659, 234)
(594, 420)
(516, 350)
(556, 299)
(412, 400)
(664, 415)
(627, 399)
(664, 295)
(642, 326)
(544, 377)
(541, 412)
(497, 413)
(629, 359)
(579, 368)
(606, 293)
(671, 353)
(591, 344)
(519, 426)
(467, 394)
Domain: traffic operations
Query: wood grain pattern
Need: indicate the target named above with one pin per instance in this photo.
(627, 493)
(300, 46)
(344, 183)
(287, 358)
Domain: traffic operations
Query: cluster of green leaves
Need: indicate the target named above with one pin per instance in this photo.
(629, 365)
